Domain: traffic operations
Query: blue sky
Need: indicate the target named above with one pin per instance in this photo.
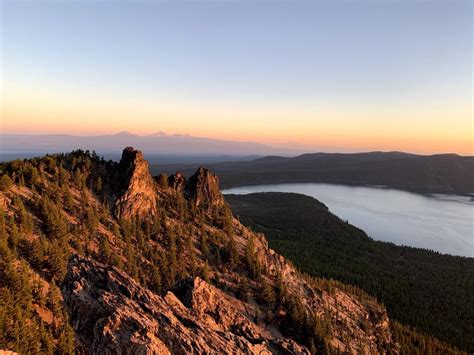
(346, 55)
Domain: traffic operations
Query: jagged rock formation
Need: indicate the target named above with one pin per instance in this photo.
(177, 182)
(139, 195)
(203, 188)
(112, 314)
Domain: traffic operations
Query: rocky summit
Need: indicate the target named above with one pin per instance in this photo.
(139, 193)
(203, 189)
(100, 257)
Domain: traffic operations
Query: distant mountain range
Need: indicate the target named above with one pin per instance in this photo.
(440, 173)
(241, 163)
(158, 143)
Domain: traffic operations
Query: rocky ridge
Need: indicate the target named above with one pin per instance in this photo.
(113, 314)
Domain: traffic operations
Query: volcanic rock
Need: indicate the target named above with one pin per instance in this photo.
(112, 314)
(177, 181)
(138, 196)
(203, 188)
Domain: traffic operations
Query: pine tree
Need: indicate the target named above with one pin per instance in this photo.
(68, 200)
(266, 293)
(116, 230)
(163, 181)
(55, 223)
(227, 221)
(25, 220)
(156, 226)
(181, 206)
(204, 246)
(163, 266)
(58, 260)
(147, 230)
(7, 306)
(3, 234)
(92, 221)
(191, 251)
(66, 340)
(54, 303)
(21, 287)
(205, 272)
(232, 254)
(253, 265)
(14, 236)
(172, 261)
(98, 185)
(243, 289)
(45, 338)
(156, 280)
(5, 183)
(105, 250)
(21, 181)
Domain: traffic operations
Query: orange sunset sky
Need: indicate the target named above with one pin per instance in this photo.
(343, 77)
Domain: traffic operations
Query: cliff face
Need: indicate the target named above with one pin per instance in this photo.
(139, 194)
(203, 189)
(112, 313)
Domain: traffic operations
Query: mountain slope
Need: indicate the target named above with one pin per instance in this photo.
(92, 249)
(421, 288)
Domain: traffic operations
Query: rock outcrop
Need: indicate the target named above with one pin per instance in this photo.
(138, 195)
(203, 188)
(112, 314)
(177, 181)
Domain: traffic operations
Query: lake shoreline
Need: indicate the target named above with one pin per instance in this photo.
(441, 223)
(418, 191)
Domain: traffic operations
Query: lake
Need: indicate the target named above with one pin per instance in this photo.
(443, 223)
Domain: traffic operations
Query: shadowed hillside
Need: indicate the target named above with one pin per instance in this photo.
(443, 173)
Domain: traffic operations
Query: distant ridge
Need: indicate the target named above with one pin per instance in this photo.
(438, 173)
(156, 143)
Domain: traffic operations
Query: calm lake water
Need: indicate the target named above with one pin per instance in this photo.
(443, 223)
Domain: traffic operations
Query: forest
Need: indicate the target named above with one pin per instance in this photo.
(430, 292)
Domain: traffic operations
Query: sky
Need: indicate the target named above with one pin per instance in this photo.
(329, 76)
